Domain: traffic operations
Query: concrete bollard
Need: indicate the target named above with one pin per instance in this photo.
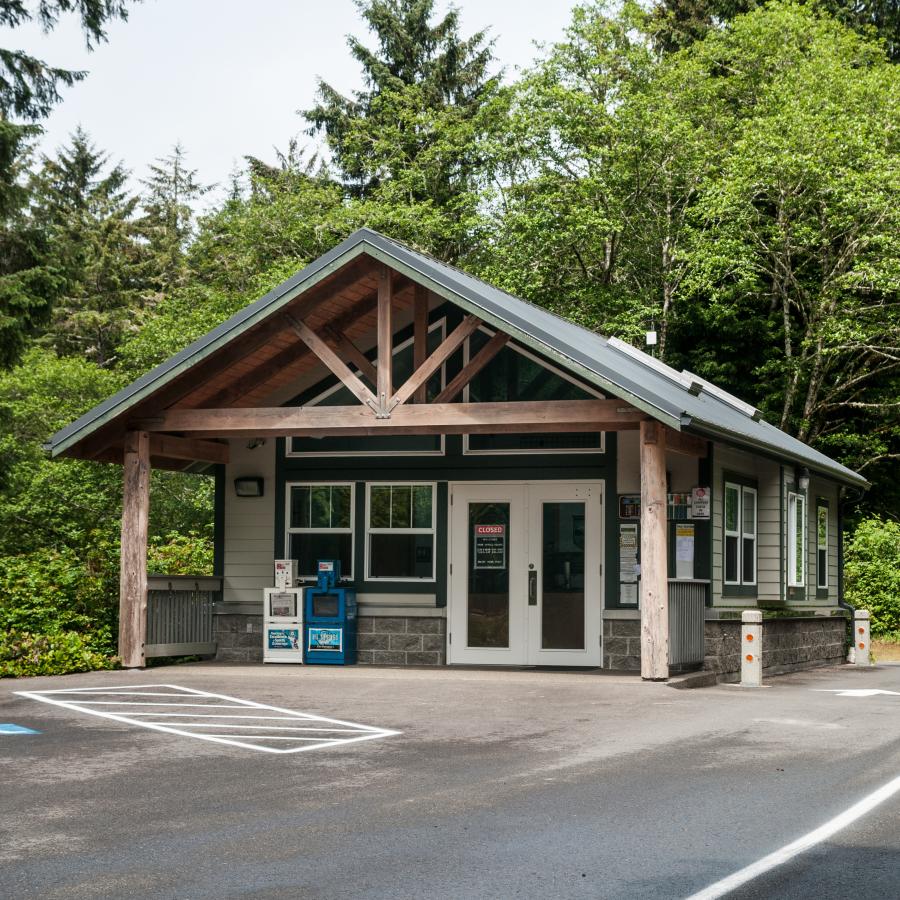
(751, 648)
(861, 637)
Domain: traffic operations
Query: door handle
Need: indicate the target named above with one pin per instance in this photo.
(532, 587)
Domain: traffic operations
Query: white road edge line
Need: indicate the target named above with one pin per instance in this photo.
(801, 845)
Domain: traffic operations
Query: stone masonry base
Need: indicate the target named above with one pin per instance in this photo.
(789, 645)
(394, 641)
(622, 644)
(402, 641)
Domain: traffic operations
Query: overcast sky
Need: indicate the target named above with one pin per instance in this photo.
(226, 77)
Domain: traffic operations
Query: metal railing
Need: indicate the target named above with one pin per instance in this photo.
(687, 615)
(180, 615)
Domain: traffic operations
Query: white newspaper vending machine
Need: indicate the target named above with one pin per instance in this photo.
(283, 625)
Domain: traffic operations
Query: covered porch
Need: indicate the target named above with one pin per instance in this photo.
(343, 319)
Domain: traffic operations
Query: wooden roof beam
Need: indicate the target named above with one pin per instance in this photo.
(338, 367)
(473, 367)
(450, 344)
(431, 418)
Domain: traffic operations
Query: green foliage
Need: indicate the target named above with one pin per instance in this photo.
(444, 69)
(81, 205)
(23, 654)
(47, 592)
(167, 225)
(872, 573)
(180, 554)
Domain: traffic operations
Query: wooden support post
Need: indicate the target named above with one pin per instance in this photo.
(384, 388)
(654, 571)
(420, 336)
(133, 553)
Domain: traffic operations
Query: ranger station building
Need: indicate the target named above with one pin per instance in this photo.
(500, 486)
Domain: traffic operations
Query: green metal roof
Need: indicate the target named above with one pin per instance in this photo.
(680, 400)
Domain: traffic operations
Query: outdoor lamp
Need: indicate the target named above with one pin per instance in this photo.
(803, 479)
(248, 487)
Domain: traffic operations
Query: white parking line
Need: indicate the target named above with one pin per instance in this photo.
(801, 845)
(161, 719)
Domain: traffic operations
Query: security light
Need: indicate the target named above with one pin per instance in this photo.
(248, 487)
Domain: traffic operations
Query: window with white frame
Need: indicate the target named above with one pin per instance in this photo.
(821, 545)
(320, 526)
(796, 540)
(400, 532)
(740, 534)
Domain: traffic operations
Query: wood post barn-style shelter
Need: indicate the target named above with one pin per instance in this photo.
(500, 485)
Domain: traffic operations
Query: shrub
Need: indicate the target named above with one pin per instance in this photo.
(52, 592)
(180, 554)
(22, 654)
(872, 573)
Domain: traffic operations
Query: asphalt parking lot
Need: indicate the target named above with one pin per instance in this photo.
(441, 783)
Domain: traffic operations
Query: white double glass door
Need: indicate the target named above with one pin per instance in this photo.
(525, 573)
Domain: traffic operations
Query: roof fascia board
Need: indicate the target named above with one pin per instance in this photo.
(265, 310)
(523, 336)
(839, 473)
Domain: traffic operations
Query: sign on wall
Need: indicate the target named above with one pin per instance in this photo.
(700, 503)
(489, 547)
(628, 553)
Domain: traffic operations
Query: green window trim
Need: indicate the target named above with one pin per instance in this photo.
(798, 542)
(398, 510)
(319, 509)
(740, 535)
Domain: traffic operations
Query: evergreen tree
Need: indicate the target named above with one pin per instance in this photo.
(678, 23)
(82, 205)
(417, 66)
(167, 225)
(29, 88)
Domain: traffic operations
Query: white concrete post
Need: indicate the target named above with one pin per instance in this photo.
(751, 648)
(861, 637)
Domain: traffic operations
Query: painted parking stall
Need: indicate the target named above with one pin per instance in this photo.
(217, 718)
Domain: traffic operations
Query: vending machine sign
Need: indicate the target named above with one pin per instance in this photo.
(283, 638)
(490, 547)
(325, 639)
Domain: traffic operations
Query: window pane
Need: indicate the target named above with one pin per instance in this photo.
(401, 555)
(562, 589)
(300, 507)
(380, 507)
(488, 576)
(308, 549)
(401, 506)
(749, 512)
(822, 562)
(749, 561)
(731, 508)
(731, 555)
(822, 529)
(340, 506)
(320, 503)
(422, 506)
(799, 522)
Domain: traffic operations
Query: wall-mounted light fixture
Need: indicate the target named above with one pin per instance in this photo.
(248, 487)
(803, 479)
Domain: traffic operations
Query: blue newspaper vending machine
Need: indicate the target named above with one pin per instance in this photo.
(329, 621)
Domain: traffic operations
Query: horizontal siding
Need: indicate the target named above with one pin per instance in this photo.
(249, 525)
(768, 529)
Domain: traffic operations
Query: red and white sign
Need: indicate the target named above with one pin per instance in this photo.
(490, 529)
